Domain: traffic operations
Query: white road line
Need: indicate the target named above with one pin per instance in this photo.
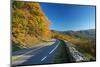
(43, 58)
(55, 48)
(13, 57)
(25, 56)
(18, 62)
(22, 59)
(50, 52)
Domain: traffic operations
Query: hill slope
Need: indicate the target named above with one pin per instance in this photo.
(89, 33)
(29, 24)
(84, 44)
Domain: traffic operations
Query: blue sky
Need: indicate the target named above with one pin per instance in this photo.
(65, 17)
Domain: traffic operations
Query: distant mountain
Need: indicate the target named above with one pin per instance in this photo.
(90, 33)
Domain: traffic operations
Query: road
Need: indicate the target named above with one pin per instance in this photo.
(43, 54)
(38, 55)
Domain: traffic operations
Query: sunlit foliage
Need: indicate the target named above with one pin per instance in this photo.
(29, 24)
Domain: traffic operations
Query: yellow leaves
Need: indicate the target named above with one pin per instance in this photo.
(20, 36)
(29, 24)
(16, 30)
(17, 4)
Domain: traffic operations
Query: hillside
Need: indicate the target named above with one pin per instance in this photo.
(90, 33)
(84, 44)
(29, 24)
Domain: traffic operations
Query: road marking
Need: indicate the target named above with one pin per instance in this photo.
(55, 47)
(18, 62)
(25, 54)
(43, 58)
(22, 57)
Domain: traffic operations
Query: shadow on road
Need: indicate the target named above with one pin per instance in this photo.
(62, 54)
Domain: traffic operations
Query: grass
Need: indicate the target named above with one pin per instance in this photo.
(89, 57)
(16, 48)
(87, 49)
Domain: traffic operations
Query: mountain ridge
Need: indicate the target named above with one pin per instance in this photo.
(89, 33)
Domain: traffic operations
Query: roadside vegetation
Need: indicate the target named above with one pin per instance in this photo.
(15, 47)
(29, 24)
(87, 46)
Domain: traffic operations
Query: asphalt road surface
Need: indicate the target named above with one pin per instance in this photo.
(43, 54)
(38, 55)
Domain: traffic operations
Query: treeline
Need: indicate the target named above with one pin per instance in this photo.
(29, 24)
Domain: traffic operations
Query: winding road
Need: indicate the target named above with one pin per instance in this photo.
(43, 54)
